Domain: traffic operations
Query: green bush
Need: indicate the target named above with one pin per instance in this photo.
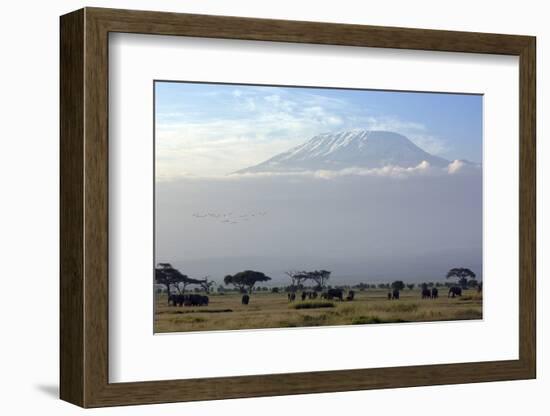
(314, 320)
(400, 307)
(362, 320)
(313, 305)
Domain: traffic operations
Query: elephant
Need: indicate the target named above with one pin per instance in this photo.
(351, 295)
(176, 300)
(395, 294)
(245, 299)
(435, 293)
(195, 300)
(455, 291)
(304, 296)
(188, 300)
(426, 293)
(333, 293)
(291, 297)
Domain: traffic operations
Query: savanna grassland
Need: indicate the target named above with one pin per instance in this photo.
(273, 310)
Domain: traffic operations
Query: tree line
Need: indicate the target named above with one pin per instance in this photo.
(245, 281)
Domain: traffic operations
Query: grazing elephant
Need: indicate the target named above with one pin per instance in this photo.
(455, 291)
(176, 300)
(435, 293)
(351, 295)
(395, 294)
(245, 299)
(426, 293)
(171, 300)
(195, 300)
(333, 293)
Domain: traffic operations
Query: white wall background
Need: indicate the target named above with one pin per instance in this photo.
(29, 208)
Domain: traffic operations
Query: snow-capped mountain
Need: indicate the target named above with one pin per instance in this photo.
(355, 148)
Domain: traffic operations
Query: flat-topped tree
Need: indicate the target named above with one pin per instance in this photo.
(320, 277)
(462, 274)
(245, 280)
(206, 284)
(168, 276)
(297, 278)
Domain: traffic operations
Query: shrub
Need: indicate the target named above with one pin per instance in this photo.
(362, 320)
(468, 314)
(313, 305)
(314, 320)
(398, 285)
(400, 307)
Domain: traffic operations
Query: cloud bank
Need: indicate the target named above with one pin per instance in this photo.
(457, 167)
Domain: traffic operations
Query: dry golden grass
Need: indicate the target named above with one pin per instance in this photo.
(272, 310)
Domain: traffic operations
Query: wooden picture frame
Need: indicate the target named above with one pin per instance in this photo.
(84, 207)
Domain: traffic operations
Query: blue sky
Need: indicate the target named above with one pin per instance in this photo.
(215, 129)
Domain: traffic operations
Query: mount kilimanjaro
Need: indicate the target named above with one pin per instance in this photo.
(355, 148)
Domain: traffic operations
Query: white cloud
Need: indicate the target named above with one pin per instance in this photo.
(422, 168)
(397, 172)
(455, 166)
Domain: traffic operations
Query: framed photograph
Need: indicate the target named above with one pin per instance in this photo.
(255, 207)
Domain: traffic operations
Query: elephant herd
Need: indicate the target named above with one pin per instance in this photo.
(426, 293)
(430, 294)
(188, 300)
(333, 294)
(305, 295)
(434, 293)
(330, 294)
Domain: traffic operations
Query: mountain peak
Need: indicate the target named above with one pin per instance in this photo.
(351, 148)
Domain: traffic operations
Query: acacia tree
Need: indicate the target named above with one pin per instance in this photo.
(245, 280)
(320, 277)
(410, 286)
(207, 284)
(297, 277)
(167, 276)
(398, 285)
(462, 274)
(170, 277)
(236, 283)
